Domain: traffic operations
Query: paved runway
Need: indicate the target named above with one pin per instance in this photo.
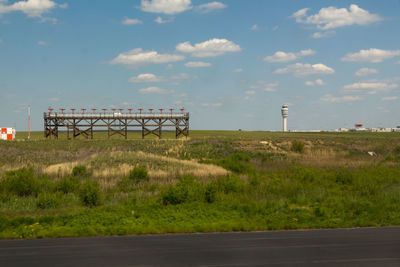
(340, 247)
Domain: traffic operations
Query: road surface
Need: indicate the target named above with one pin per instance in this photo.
(339, 247)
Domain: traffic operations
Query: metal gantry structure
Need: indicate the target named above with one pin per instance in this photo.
(116, 122)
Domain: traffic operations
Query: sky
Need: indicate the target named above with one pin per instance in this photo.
(231, 64)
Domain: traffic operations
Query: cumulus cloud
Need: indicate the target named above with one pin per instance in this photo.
(373, 55)
(155, 90)
(238, 70)
(168, 7)
(365, 72)
(138, 57)
(160, 20)
(318, 82)
(300, 69)
(128, 21)
(197, 64)
(31, 8)
(215, 105)
(266, 86)
(318, 35)
(369, 87)
(281, 56)
(212, 6)
(389, 98)
(146, 78)
(332, 17)
(335, 99)
(211, 48)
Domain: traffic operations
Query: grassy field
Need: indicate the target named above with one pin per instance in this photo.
(212, 181)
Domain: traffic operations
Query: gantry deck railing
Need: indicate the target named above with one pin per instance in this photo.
(85, 124)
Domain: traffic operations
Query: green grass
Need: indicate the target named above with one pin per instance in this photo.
(290, 181)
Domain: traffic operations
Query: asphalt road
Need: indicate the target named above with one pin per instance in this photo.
(340, 247)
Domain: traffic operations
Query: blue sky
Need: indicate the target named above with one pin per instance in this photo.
(231, 64)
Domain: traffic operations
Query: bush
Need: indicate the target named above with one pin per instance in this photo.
(22, 182)
(47, 200)
(187, 189)
(297, 146)
(139, 174)
(237, 162)
(67, 185)
(344, 177)
(79, 171)
(210, 193)
(89, 194)
(229, 184)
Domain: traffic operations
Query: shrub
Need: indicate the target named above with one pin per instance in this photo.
(187, 189)
(67, 185)
(237, 162)
(139, 174)
(344, 177)
(210, 193)
(22, 182)
(297, 146)
(89, 194)
(48, 200)
(231, 183)
(79, 171)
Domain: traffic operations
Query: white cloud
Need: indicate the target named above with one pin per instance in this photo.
(333, 99)
(31, 8)
(43, 43)
(275, 28)
(212, 6)
(318, 82)
(211, 48)
(281, 56)
(138, 57)
(369, 87)
(155, 90)
(318, 35)
(238, 70)
(176, 79)
(300, 69)
(266, 86)
(168, 7)
(146, 78)
(332, 17)
(254, 27)
(128, 21)
(54, 99)
(215, 105)
(160, 20)
(389, 98)
(197, 64)
(365, 72)
(373, 55)
(250, 92)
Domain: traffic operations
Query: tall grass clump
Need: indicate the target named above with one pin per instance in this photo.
(139, 174)
(89, 194)
(79, 171)
(297, 146)
(48, 200)
(238, 162)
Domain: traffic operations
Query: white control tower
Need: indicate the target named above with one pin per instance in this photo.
(284, 111)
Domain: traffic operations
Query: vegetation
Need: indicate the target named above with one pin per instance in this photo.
(215, 181)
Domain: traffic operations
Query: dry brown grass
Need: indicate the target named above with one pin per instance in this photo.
(107, 166)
